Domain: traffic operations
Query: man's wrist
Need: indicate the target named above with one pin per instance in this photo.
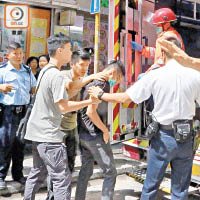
(89, 101)
(92, 77)
(100, 94)
(105, 130)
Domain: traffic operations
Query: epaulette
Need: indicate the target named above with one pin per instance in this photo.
(4, 65)
(27, 68)
(157, 67)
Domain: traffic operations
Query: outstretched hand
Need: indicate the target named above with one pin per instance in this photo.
(94, 91)
(101, 76)
(174, 51)
(5, 88)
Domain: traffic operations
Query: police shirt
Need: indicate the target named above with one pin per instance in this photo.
(174, 88)
(22, 80)
(87, 130)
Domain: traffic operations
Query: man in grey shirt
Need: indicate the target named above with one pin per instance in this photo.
(74, 82)
(43, 129)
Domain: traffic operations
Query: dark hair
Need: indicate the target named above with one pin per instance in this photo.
(57, 41)
(30, 59)
(81, 53)
(174, 40)
(46, 56)
(118, 65)
(90, 50)
(14, 45)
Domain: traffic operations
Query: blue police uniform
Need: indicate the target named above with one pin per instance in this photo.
(13, 108)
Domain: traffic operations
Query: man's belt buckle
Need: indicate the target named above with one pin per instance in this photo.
(18, 109)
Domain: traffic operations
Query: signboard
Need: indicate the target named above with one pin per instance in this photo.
(16, 16)
(95, 6)
(38, 36)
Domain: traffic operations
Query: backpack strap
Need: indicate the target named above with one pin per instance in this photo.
(39, 81)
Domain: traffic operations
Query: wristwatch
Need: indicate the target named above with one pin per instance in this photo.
(100, 95)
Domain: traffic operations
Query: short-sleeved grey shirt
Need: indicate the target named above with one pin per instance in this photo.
(44, 122)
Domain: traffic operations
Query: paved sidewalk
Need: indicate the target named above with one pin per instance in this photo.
(123, 165)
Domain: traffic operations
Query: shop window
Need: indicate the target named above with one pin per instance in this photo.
(163, 3)
(191, 40)
(185, 8)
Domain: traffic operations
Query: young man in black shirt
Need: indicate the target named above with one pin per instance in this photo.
(94, 138)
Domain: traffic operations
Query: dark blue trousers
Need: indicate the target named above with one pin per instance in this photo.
(164, 150)
(10, 145)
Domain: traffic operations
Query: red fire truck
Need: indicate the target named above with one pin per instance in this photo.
(129, 20)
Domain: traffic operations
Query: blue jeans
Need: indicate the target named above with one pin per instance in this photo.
(164, 150)
(10, 146)
(96, 150)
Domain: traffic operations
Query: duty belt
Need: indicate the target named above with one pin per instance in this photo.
(168, 127)
(16, 108)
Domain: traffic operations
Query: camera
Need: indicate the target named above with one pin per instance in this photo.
(152, 130)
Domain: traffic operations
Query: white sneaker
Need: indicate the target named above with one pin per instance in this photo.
(3, 185)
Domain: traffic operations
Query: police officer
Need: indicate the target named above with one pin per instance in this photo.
(162, 18)
(174, 89)
(16, 85)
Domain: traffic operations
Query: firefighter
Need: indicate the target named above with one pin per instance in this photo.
(171, 131)
(162, 18)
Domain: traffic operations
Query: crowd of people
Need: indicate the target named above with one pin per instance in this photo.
(55, 126)
(37, 63)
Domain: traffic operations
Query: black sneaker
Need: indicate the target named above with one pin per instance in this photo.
(3, 185)
(22, 180)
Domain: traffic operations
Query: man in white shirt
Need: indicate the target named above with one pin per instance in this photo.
(174, 89)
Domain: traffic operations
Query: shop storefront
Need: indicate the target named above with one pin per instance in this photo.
(71, 17)
(83, 30)
(32, 39)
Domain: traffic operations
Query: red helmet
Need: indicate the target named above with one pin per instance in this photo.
(163, 15)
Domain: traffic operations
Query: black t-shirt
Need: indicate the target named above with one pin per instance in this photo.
(87, 130)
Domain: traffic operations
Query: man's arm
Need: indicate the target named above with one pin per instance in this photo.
(180, 55)
(72, 86)
(114, 97)
(148, 52)
(69, 106)
(93, 115)
(33, 89)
